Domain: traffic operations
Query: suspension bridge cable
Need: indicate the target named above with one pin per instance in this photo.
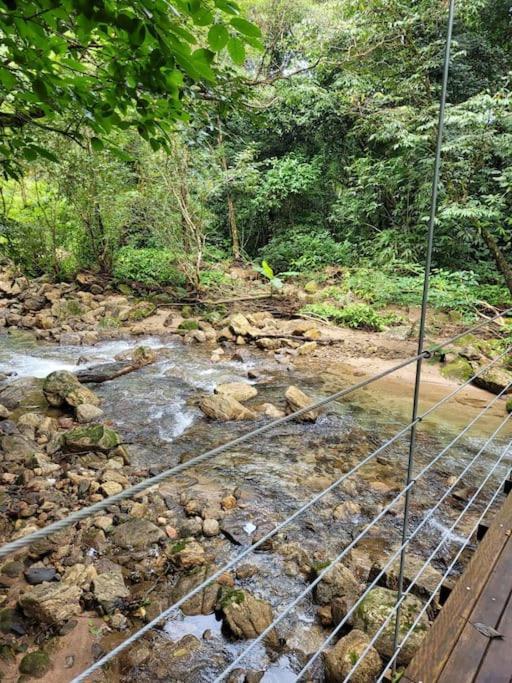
(351, 545)
(450, 568)
(424, 302)
(84, 513)
(405, 542)
(446, 533)
(147, 627)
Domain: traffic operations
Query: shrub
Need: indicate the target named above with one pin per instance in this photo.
(356, 316)
(304, 249)
(149, 266)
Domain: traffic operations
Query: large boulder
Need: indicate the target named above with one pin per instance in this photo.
(62, 388)
(26, 392)
(137, 534)
(246, 616)
(203, 602)
(373, 611)
(16, 448)
(240, 391)
(51, 603)
(296, 400)
(338, 582)
(342, 657)
(186, 554)
(110, 591)
(225, 408)
(495, 380)
(86, 413)
(92, 437)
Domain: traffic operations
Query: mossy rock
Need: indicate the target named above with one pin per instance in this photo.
(141, 310)
(188, 325)
(459, 369)
(92, 437)
(374, 610)
(35, 664)
(509, 405)
(63, 388)
(311, 287)
(496, 380)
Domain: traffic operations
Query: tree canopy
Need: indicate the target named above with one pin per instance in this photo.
(108, 64)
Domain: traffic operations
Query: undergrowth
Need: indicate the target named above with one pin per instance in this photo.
(359, 316)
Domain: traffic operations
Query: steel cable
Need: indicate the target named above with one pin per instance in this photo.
(446, 533)
(147, 627)
(452, 565)
(142, 486)
(351, 545)
(397, 552)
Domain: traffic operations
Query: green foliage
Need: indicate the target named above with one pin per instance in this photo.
(148, 266)
(304, 250)
(109, 65)
(357, 315)
(459, 290)
(266, 270)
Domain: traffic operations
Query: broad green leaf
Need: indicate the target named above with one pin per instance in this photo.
(246, 27)
(218, 37)
(236, 50)
(267, 269)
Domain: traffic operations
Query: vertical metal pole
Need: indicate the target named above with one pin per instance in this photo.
(424, 308)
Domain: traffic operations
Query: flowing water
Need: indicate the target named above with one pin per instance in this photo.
(155, 411)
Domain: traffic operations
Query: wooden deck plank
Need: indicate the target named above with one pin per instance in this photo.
(435, 651)
(497, 664)
(471, 647)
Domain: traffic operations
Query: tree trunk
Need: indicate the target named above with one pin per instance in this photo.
(233, 227)
(503, 265)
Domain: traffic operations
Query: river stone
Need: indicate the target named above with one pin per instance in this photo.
(240, 391)
(495, 380)
(211, 527)
(240, 326)
(51, 603)
(93, 437)
(246, 616)
(141, 310)
(341, 658)
(37, 575)
(339, 582)
(110, 591)
(458, 368)
(63, 388)
(225, 408)
(296, 400)
(4, 413)
(23, 392)
(203, 602)
(86, 413)
(17, 448)
(35, 664)
(137, 534)
(376, 607)
(186, 553)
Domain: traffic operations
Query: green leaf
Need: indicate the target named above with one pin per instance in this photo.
(246, 27)
(267, 270)
(236, 50)
(97, 144)
(218, 37)
(227, 6)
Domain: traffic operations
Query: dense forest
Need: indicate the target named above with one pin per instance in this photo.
(299, 132)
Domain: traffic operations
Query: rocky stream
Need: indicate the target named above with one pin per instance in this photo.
(154, 402)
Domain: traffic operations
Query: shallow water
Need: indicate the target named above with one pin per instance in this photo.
(154, 410)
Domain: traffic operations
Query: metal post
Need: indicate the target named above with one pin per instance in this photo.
(423, 317)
